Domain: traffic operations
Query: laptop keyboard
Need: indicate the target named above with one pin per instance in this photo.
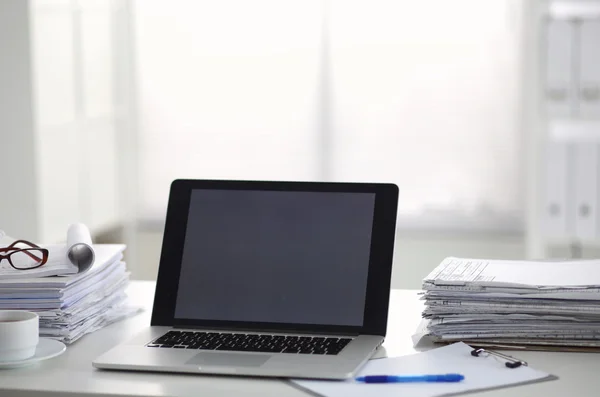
(250, 342)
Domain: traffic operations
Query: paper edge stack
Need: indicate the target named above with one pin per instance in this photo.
(568, 321)
(74, 305)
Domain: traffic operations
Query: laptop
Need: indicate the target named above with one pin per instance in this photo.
(273, 279)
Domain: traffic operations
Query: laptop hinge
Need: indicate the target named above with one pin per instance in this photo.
(263, 330)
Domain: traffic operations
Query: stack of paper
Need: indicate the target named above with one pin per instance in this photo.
(74, 304)
(514, 303)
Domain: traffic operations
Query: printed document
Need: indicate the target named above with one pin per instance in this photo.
(527, 274)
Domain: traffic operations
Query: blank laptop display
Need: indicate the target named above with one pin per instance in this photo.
(290, 257)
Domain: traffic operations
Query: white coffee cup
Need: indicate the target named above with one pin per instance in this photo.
(19, 334)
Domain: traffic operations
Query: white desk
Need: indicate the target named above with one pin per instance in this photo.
(72, 373)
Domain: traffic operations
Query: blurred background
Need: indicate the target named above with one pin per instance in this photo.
(485, 113)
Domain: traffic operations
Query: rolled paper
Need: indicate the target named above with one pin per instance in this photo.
(80, 251)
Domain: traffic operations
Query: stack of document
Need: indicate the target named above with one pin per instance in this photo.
(71, 304)
(541, 305)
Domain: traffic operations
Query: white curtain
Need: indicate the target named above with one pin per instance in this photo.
(420, 93)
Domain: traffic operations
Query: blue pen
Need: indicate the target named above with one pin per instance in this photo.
(410, 378)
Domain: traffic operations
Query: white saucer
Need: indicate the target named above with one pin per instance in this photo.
(46, 348)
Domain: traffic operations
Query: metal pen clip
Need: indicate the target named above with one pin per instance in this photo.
(511, 362)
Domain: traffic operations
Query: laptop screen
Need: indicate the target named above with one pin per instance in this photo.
(276, 256)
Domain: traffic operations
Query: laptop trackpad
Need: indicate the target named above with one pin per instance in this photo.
(229, 359)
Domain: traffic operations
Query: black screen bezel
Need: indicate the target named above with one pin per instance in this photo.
(380, 258)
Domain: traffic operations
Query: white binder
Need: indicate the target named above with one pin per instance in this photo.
(585, 189)
(554, 215)
(589, 73)
(559, 90)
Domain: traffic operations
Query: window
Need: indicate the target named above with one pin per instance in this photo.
(420, 93)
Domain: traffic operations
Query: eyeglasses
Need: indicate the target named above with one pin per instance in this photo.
(24, 258)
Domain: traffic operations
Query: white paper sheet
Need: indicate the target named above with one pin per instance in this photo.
(76, 256)
(450, 292)
(480, 373)
(105, 255)
(528, 274)
(80, 251)
(509, 308)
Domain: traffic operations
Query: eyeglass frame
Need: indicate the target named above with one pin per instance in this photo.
(34, 247)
